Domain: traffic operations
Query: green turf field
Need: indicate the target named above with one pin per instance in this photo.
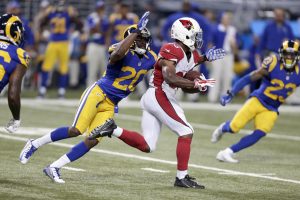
(269, 170)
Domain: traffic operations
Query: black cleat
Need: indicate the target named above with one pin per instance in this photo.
(188, 182)
(105, 129)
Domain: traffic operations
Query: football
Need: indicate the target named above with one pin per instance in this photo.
(191, 75)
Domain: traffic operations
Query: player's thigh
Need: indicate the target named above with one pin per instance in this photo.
(88, 107)
(51, 57)
(245, 114)
(105, 112)
(265, 121)
(167, 111)
(151, 127)
(63, 57)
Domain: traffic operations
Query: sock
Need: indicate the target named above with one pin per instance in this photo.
(57, 134)
(62, 161)
(135, 140)
(60, 134)
(183, 153)
(226, 127)
(77, 151)
(248, 141)
(63, 81)
(117, 132)
(44, 79)
(181, 174)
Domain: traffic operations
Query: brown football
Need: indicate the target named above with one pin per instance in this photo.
(191, 75)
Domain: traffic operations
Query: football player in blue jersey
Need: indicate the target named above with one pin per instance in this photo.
(129, 61)
(14, 62)
(60, 19)
(280, 76)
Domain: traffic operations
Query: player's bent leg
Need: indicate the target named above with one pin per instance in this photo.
(245, 114)
(248, 141)
(58, 134)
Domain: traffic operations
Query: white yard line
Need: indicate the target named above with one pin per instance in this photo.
(74, 169)
(9, 137)
(155, 170)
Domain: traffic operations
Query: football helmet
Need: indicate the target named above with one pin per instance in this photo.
(11, 29)
(188, 31)
(143, 40)
(289, 54)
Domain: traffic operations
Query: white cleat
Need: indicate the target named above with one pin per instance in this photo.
(53, 174)
(226, 156)
(217, 134)
(27, 152)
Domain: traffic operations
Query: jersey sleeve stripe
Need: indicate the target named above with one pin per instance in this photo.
(21, 56)
(273, 63)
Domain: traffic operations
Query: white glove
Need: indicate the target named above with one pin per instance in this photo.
(202, 83)
(13, 125)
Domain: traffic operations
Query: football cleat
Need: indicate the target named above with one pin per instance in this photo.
(188, 182)
(105, 129)
(13, 125)
(27, 152)
(53, 174)
(226, 156)
(217, 134)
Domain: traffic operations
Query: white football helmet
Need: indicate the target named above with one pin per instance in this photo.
(188, 31)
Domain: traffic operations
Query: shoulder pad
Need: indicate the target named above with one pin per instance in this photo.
(171, 51)
(23, 57)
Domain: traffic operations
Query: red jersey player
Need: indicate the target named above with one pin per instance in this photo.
(159, 103)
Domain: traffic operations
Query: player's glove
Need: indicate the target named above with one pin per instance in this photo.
(143, 21)
(202, 83)
(13, 125)
(225, 99)
(215, 54)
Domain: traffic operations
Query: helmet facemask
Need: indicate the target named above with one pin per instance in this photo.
(142, 42)
(289, 58)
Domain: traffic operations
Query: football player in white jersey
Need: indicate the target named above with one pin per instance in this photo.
(159, 103)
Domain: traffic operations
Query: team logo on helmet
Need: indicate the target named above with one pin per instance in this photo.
(187, 24)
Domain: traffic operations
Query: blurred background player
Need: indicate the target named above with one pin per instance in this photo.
(159, 103)
(14, 8)
(13, 64)
(58, 47)
(224, 36)
(97, 28)
(274, 33)
(119, 21)
(99, 101)
(280, 77)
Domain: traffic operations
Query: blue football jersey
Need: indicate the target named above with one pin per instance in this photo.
(278, 85)
(121, 77)
(10, 57)
(59, 25)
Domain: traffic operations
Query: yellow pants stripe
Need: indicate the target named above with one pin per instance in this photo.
(82, 103)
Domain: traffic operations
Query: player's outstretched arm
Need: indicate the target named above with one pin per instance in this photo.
(125, 44)
(240, 84)
(14, 90)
